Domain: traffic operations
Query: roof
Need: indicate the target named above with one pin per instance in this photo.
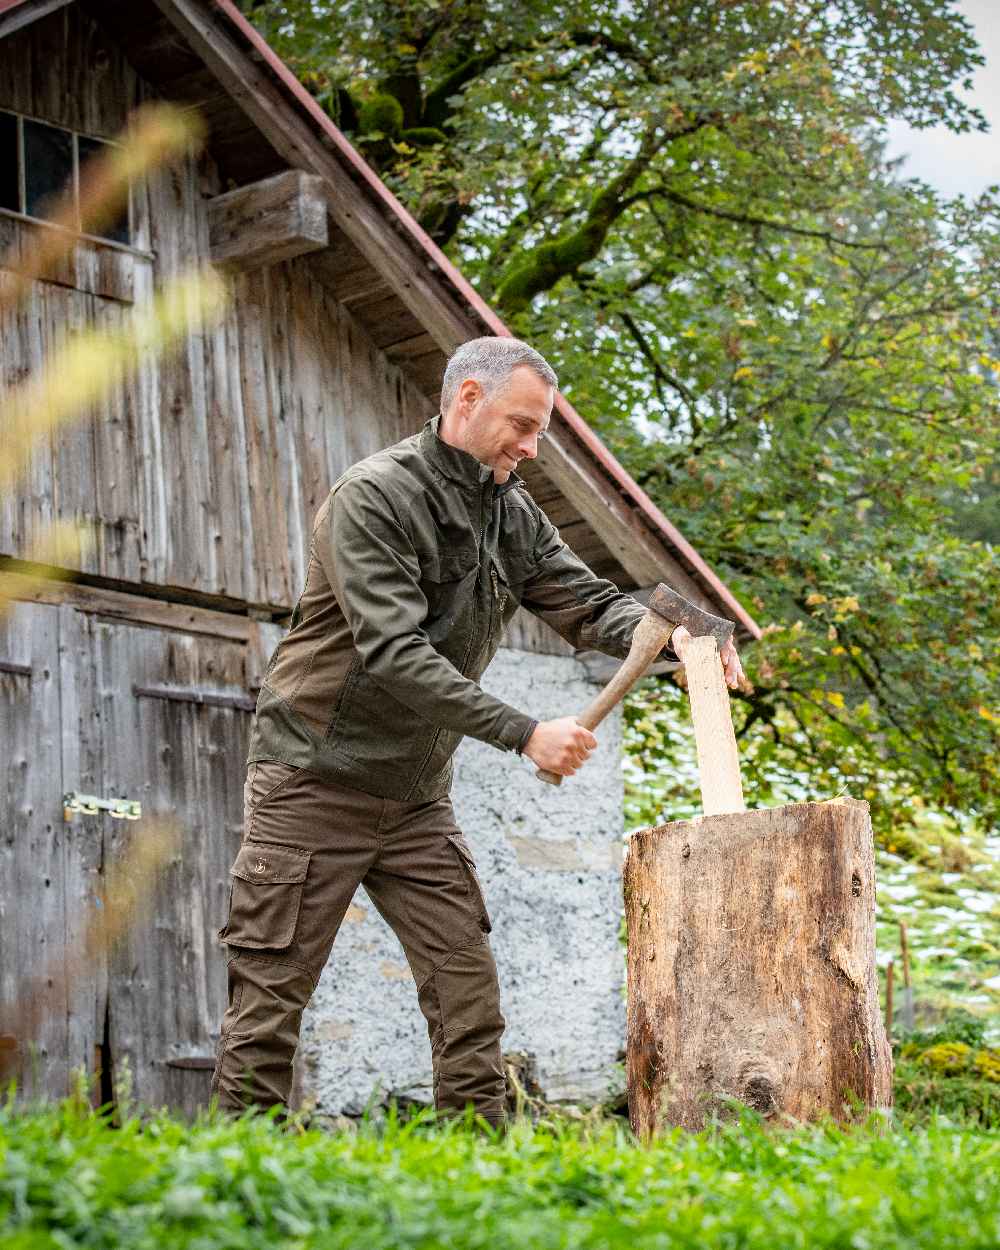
(648, 546)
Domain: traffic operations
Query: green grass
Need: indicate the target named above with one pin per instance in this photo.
(68, 1179)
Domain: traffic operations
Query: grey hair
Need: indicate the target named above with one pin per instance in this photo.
(491, 360)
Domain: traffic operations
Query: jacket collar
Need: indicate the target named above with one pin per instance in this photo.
(457, 464)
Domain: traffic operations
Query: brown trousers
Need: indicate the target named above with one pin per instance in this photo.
(307, 845)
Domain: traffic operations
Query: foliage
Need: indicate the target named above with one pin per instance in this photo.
(688, 207)
(964, 1095)
(67, 1179)
(957, 1027)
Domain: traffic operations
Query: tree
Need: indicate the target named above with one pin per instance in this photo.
(688, 207)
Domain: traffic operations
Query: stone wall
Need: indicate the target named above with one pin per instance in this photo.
(550, 863)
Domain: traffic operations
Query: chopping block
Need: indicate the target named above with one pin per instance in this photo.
(751, 949)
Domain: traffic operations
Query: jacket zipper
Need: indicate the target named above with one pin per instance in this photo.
(465, 660)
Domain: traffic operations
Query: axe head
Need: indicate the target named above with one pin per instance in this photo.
(680, 611)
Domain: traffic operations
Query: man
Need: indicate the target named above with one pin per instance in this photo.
(419, 557)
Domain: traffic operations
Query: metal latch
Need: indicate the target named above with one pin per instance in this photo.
(90, 805)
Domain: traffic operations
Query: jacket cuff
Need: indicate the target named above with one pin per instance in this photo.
(532, 726)
(514, 732)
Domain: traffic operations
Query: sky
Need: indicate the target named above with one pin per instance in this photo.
(951, 163)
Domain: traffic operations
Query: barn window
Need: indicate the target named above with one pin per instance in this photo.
(39, 161)
(10, 189)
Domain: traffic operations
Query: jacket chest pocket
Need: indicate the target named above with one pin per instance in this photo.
(508, 574)
(268, 881)
(447, 580)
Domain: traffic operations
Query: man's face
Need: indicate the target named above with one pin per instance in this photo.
(506, 428)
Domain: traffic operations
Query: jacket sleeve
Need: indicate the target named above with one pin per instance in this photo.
(590, 612)
(375, 574)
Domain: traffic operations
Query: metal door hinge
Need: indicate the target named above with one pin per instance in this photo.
(90, 805)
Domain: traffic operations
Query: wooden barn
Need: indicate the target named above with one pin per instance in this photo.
(134, 681)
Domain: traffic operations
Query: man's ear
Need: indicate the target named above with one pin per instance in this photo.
(470, 392)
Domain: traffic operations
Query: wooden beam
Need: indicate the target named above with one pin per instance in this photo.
(130, 609)
(24, 14)
(267, 222)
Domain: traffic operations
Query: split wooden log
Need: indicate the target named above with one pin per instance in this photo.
(751, 958)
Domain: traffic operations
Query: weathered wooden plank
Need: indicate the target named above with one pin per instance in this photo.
(267, 222)
(81, 839)
(228, 456)
(309, 385)
(286, 408)
(185, 762)
(269, 523)
(47, 70)
(417, 345)
(114, 511)
(43, 863)
(263, 638)
(387, 321)
(347, 275)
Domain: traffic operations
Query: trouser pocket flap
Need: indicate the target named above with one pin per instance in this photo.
(267, 893)
(472, 880)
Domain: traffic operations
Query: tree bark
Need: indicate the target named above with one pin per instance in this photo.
(751, 967)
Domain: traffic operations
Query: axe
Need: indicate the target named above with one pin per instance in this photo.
(667, 609)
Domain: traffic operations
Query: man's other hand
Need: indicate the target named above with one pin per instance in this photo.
(733, 669)
(560, 746)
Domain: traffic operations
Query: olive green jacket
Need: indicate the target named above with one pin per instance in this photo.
(418, 560)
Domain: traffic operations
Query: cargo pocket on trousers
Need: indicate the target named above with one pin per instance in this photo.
(266, 896)
(472, 881)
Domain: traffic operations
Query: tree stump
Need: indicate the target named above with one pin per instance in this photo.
(751, 967)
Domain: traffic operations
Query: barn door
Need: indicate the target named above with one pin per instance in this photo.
(50, 869)
(175, 712)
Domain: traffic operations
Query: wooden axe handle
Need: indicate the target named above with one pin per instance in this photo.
(651, 635)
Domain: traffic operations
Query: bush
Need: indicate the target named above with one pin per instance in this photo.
(948, 1071)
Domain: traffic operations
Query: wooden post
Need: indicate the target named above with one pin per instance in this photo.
(888, 999)
(751, 951)
(907, 987)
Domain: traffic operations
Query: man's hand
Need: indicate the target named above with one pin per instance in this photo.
(560, 746)
(733, 669)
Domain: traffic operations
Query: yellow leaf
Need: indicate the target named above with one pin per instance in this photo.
(838, 651)
(848, 604)
(835, 697)
(987, 714)
(744, 371)
(814, 598)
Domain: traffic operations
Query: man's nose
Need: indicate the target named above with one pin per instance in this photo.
(528, 448)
